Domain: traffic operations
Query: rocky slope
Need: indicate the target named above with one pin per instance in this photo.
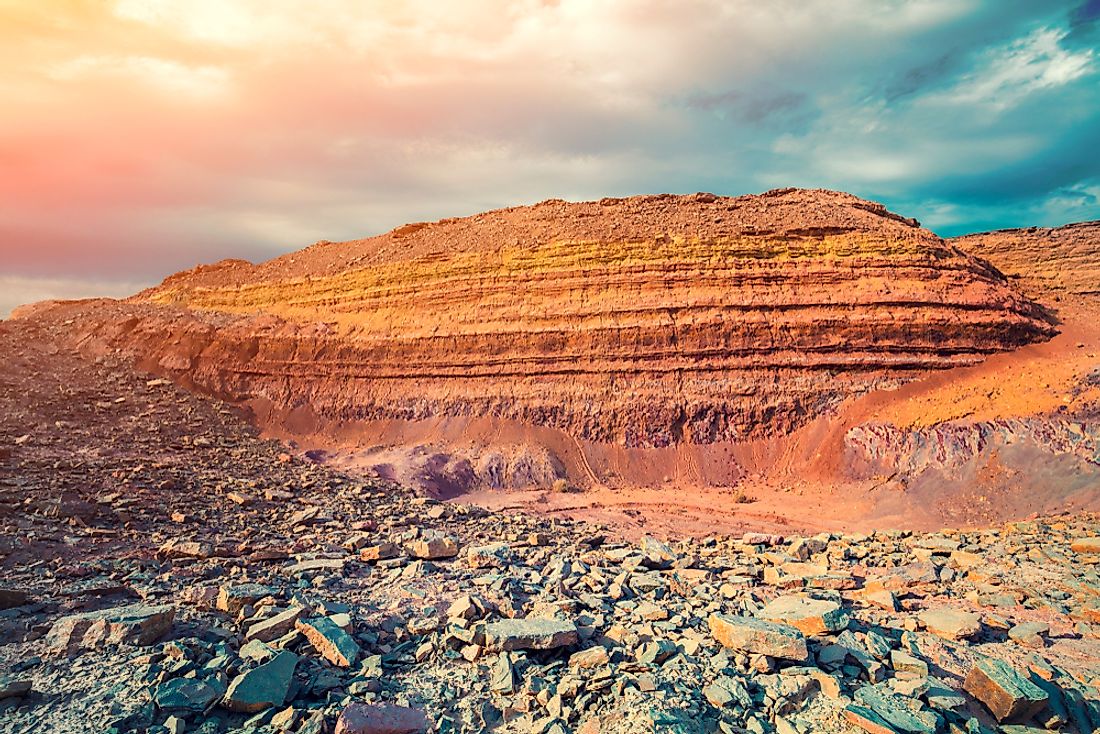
(1062, 260)
(1017, 434)
(164, 570)
(640, 324)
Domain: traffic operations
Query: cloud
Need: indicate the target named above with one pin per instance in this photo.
(143, 136)
(1007, 75)
(162, 75)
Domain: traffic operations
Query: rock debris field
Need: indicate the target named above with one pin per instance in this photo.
(163, 569)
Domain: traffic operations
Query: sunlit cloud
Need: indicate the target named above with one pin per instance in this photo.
(161, 75)
(141, 137)
(1030, 64)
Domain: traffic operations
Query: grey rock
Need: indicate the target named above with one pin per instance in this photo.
(262, 687)
(533, 633)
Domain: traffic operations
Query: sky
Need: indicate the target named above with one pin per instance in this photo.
(142, 137)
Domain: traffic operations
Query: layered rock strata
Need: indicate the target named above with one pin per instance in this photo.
(642, 322)
(1061, 259)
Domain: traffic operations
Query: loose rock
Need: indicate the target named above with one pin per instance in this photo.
(759, 636)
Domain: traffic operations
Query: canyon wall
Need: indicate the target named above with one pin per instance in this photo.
(588, 340)
(643, 322)
(1044, 260)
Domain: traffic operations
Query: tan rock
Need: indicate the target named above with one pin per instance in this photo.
(334, 644)
(274, 627)
(954, 624)
(379, 552)
(177, 548)
(810, 616)
(137, 624)
(1086, 545)
(434, 547)
(233, 597)
(758, 636)
(592, 657)
(532, 633)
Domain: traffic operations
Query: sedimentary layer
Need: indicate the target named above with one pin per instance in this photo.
(1061, 259)
(647, 321)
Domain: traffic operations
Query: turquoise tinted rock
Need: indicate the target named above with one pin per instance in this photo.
(262, 687)
(1009, 696)
(187, 695)
(901, 713)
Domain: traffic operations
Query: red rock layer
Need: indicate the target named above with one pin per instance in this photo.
(646, 321)
(1065, 259)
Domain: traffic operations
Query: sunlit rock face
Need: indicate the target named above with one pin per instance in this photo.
(640, 322)
(1062, 260)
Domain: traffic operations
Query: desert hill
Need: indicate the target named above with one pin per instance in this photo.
(1045, 260)
(801, 339)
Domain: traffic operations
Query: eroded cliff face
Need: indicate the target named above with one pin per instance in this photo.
(640, 324)
(1017, 434)
(1056, 260)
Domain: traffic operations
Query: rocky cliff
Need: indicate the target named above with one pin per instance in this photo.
(1017, 434)
(642, 322)
(1063, 260)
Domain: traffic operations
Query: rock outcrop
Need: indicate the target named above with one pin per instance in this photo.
(643, 322)
(1062, 259)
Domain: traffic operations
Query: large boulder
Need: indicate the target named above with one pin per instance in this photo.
(262, 687)
(759, 636)
(136, 624)
(1008, 695)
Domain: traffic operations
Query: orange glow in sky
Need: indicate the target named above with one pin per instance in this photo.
(140, 137)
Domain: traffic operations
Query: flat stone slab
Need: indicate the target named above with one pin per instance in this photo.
(592, 657)
(954, 624)
(12, 687)
(317, 564)
(1086, 545)
(234, 597)
(274, 627)
(1008, 695)
(179, 548)
(262, 687)
(810, 616)
(867, 720)
(1031, 634)
(759, 636)
(187, 695)
(379, 552)
(364, 718)
(334, 644)
(530, 634)
(135, 624)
